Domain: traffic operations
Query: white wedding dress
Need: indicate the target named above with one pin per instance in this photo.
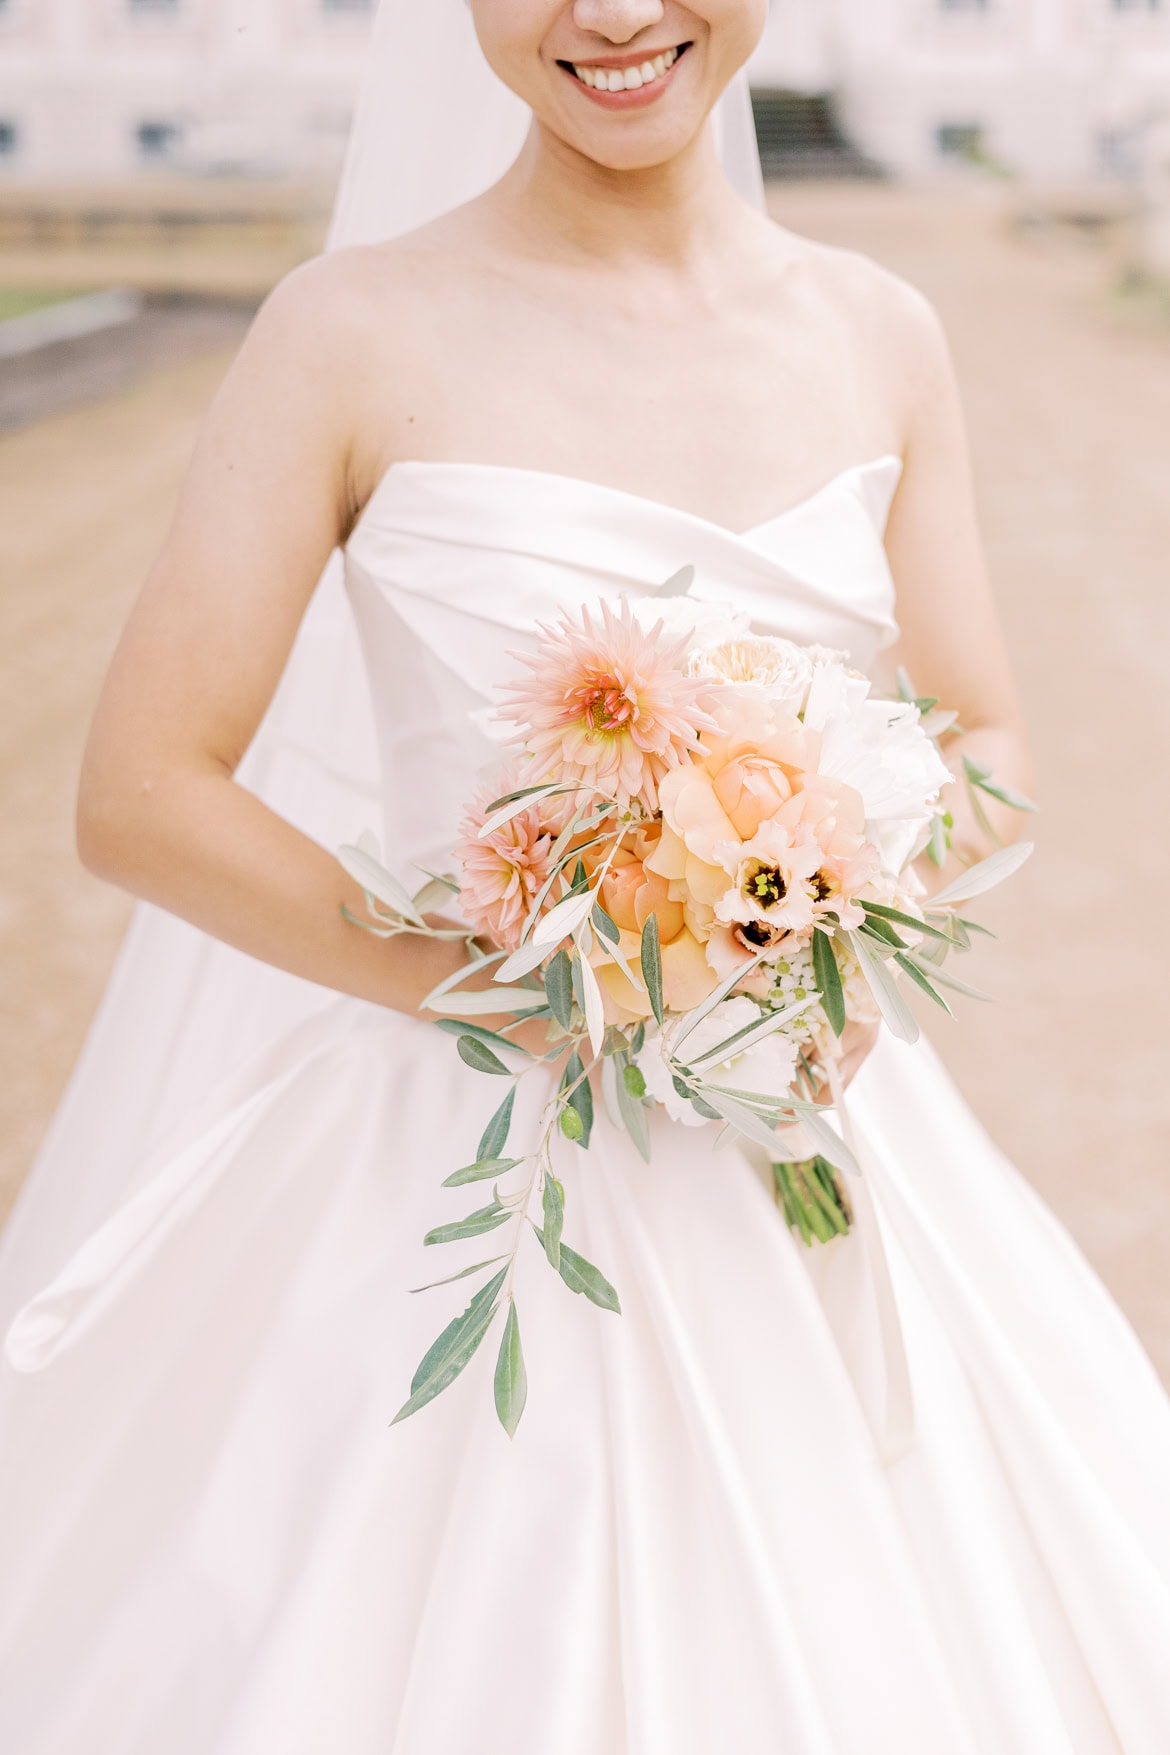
(212, 1542)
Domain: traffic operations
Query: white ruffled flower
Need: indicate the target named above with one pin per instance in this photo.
(781, 669)
(769, 1066)
(880, 749)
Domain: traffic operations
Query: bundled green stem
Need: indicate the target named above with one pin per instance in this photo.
(813, 1200)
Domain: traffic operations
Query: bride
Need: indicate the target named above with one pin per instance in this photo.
(706, 1535)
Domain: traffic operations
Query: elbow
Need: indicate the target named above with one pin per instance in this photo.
(96, 836)
(109, 832)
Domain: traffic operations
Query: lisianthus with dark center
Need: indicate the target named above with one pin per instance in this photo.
(773, 880)
(754, 838)
(608, 705)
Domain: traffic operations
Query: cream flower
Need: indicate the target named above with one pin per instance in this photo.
(783, 670)
(608, 705)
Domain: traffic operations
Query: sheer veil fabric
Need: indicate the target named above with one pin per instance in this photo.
(181, 1008)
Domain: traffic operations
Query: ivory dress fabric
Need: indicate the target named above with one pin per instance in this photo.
(213, 1543)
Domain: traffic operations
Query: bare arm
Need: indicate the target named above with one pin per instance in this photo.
(951, 642)
(267, 497)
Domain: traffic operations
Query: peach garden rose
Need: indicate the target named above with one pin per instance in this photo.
(697, 869)
(753, 838)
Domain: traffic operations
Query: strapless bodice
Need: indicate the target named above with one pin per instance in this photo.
(451, 565)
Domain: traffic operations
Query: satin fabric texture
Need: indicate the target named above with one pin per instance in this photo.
(211, 1539)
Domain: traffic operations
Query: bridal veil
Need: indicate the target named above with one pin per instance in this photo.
(433, 128)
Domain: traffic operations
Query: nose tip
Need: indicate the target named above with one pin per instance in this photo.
(617, 20)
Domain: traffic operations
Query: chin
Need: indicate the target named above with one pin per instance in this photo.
(634, 96)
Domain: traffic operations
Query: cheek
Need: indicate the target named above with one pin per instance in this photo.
(510, 34)
(736, 26)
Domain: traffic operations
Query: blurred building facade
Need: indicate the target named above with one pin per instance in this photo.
(106, 90)
(109, 90)
(1049, 90)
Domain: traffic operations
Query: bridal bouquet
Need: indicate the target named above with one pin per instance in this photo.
(694, 869)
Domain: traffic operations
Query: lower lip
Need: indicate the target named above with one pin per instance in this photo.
(626, 100)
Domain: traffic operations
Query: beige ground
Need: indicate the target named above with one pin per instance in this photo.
(1067, 388)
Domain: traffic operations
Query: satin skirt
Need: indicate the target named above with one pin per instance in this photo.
(213, 1542)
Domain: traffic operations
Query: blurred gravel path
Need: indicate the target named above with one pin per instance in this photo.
(75, 374)
(1067, 398)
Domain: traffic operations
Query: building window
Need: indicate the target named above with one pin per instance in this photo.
(959, 140)
(965, 5)
(1137, 5)
(9, 135)
(346, 5)
(158, 140)
(140, 7)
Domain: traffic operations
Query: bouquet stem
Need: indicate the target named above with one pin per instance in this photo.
(812, 1199)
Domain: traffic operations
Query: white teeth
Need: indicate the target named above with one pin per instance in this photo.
(623, 79)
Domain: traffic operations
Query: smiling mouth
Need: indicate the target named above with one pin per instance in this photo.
(606, 77)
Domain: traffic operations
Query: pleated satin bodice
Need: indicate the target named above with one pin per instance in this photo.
(451, 565)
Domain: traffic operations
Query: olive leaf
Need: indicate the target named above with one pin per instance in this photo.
(884, 988)
(459, 1274)
(558, 988)
(489, 1038)
(511, 1382)
(883, 932)
(581, 1276)
(920, 978)
(977, 775)
(480, 1171)
(376, 881)
(652, 965)
(828, 979)
(985, 875)
(446, 1357)
(478, 1055)
(553, 1204)
(474, 1225)
(495, 1134)
(911, 920)
(604, 924)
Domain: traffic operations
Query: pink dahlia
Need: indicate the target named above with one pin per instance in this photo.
(609, 705)
(502, 873)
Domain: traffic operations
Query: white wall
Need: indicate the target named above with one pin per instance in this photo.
(256, 85)
(267, 86)
(1045, 80)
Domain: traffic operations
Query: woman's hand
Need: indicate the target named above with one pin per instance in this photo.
(857, 1041)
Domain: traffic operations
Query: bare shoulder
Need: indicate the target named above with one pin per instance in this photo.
(325, 307)
(887, 326)
(334, 342)
(345, 295)
(873, 299)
